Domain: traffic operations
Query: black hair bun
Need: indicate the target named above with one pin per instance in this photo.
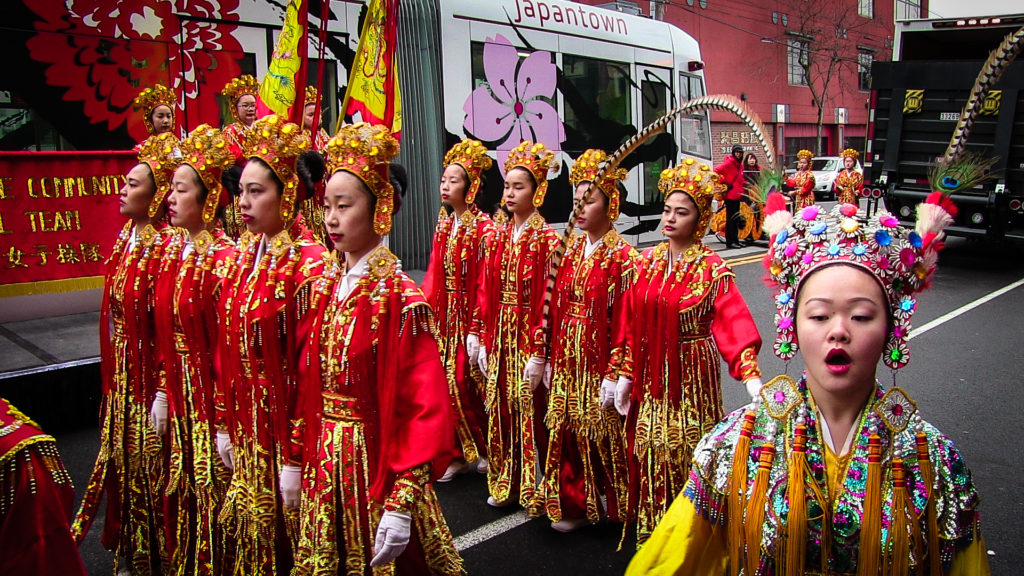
(231, 180)
(310, 167)
(399, 178)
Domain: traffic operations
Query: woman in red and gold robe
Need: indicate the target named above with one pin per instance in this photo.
(157, 105)
(462, 244)
(507, 322)
(685, 311)
(586, 456)
(267, 293)
(375, 397)
(801, 184)
(128, 466)
(849, 183)
(187, 320)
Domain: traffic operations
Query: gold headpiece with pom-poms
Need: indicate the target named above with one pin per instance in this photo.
(366, 151)
(208, 153)
(850, 153)
(150, 98)
(538, 161)
(311, 96)
(698, 181)
(805, 154)
(472, 156)
(585, 169)
(278, 142)
(238, 87)
(161, 154)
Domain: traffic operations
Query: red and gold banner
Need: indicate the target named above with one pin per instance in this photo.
(373, 82)
(58, 218)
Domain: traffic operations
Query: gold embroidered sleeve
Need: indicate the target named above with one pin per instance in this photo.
(748, 365)
(408, 489)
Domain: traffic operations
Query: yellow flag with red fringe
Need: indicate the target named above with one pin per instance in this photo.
(282, 89)
(373, 81)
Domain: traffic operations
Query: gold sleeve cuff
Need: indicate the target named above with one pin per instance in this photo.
(408, 489)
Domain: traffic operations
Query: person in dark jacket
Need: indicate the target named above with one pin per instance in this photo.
(730, 173)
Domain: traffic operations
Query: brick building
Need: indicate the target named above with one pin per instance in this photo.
(772, 53)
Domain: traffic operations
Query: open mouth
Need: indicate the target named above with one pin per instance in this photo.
(837, 357)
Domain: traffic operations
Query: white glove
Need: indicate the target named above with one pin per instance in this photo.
(473, 349)
(607, 393)
(158, 413)
(225, 449)
(291, 485)
(482, 360)
(534, 371)
(392, 537)
(547, 375)
(622, 390)
(754, 389)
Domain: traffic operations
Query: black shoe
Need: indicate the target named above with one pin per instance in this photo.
(732, 246)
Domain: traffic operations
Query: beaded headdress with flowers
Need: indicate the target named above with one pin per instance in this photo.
(537, 160)
(585, 169)
(366, 151)
(806, 155)
(472, 156)
(150, 98)
(161, 154)
(238, 87)
(849, 153)
(208, 153)
(698, 181)
(311, 95)
(278, 142)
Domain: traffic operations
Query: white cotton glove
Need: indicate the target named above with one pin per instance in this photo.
(158, 413)
(754, 389)
(623, 388)
(291, 485)
(392, 537)
(534, 371)
(225, 449)
(547, 375)
(482, 360)
(607, 393)
(473, 349)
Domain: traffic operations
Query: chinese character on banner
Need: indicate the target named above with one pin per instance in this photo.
(14, 256)
(66, 254)
(42, 252)
(90, 252)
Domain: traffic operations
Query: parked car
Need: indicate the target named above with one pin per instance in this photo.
(825, 169)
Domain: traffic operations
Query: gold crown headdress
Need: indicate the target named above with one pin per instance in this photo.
(806, 155)
(150, 98)
(537, 160)
(696, 180)
(279, 143)
(585, 169)
(472, 156)
(365, 151)
(207, 151)
(311, 95)
(238, 87)
(849, 153)
(161, 154)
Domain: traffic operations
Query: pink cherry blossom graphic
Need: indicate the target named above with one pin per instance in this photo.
(514, 104)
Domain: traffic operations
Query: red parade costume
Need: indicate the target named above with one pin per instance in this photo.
(377, 423)
(36, 499)
(848, 186)
(266, 324)
(803, 183)
(586, 455)
(462, 247)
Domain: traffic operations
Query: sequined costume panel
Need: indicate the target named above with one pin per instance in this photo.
(450, 285)
(188, 316)
(684, 317)
(803, 183)
(848, 186)
(267, 321)
(586, 456)
(376, 402)
(511, 307)
(128, 468)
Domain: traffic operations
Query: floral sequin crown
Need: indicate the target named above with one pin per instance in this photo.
(849, 153)
(311, 95)
(279, 143)
(161, 154)
(207, 151)
(472, 156)
(902, 260)
(805, 155)
(365, 151)
(585, 169)
(698, 181)
(150, 98)
(238, 87)
(537, 160)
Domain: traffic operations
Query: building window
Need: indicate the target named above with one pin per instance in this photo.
(864, 60)
(796, 60)
(866, 8)
(909, 10)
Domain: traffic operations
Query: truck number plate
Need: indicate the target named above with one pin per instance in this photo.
(954, 116)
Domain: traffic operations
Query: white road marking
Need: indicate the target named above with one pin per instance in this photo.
(491, 529)
(963, 309)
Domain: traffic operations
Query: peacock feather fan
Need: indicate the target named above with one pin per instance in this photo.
(961, 173)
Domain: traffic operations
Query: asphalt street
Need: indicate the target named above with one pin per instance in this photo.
(964, 374)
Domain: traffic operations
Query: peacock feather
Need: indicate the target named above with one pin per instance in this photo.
(767, 181)
(967, 170)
